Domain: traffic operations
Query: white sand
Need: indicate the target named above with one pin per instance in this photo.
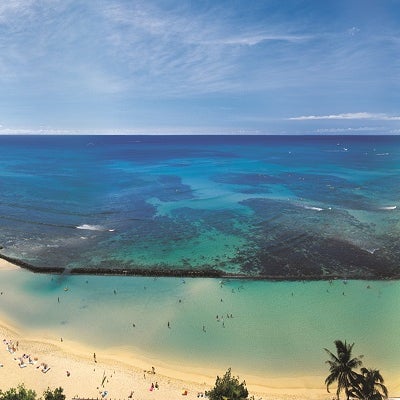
(123, 372)
(7, 266)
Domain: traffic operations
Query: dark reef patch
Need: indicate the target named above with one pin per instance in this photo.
(293, 241)
(316, 256)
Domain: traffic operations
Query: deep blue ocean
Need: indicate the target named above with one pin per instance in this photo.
(293, 206)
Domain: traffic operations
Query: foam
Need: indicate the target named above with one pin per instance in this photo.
(372, 251)
(94, 228)
(313, 208)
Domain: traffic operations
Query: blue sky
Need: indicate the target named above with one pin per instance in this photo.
(234, 66)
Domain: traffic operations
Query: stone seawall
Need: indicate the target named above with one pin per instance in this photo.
(184, 273)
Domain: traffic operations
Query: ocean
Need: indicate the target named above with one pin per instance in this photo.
(293, 207)
(269, 206)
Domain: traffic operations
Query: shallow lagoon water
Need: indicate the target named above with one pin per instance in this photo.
(277, 328)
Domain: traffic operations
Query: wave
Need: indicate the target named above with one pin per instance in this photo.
(388, 208)
(313, 208)
(372, 251)
(94, 228)
(53, 225)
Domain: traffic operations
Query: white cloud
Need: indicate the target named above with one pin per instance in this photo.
(178, 52)
(350, 130)
(254, 39)
(147, 130)
(10, 8)
(346, 116)
(166, 50)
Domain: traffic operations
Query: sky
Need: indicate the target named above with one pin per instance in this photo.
(191, 67)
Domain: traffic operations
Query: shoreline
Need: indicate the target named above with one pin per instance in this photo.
(124, 372)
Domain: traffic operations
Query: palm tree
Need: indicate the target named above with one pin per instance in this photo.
(341, 368)
(369, 386)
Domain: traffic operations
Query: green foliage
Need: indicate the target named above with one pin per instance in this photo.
(341, 367)
(57, 394)
(369, 386)
(365, 386)
(228, 388)
(19, 393)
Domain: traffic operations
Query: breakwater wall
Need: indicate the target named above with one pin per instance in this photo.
(184, 273)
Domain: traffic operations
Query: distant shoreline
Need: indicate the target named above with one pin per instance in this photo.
(185, 273)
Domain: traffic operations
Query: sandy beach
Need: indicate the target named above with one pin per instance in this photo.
(7, 266)
(113, 373)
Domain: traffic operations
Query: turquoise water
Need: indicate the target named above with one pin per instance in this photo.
(276, 206)
(277, 329)
(254, 205)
